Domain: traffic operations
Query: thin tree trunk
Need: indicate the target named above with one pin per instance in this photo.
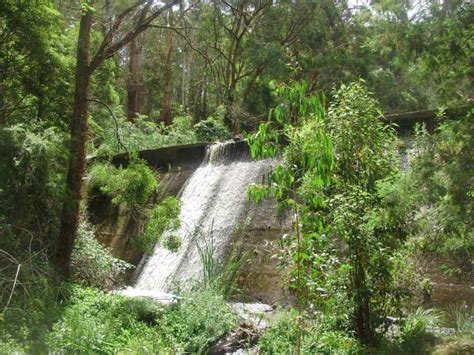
(231, 117)
(70, 212)
(167, 114)
(136, 93)
(363, 325)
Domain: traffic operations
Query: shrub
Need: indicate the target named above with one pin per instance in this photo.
(164, 217)
(211, 129)
(142, 133)
(33, 165)
(441, 179)
(28, 314)
(292, 329)
(414, 329)
(197, 321)
(95, 322)
(462, 316)
(282, 335)
(343, 245)
(133, 185)
(91, 263)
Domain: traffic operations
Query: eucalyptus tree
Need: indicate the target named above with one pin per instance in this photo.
(116, 37)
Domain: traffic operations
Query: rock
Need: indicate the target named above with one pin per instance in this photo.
(244, 337)
(256, 317)
(239, 137)
(441, 331)
(259, 314)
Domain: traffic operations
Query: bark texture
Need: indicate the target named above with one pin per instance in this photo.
(136, 91)
(77, 156)
(167, 113)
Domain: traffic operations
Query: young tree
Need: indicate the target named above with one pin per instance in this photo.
(344, 247)
(112, 42)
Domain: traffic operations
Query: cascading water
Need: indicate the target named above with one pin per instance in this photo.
(214, 198)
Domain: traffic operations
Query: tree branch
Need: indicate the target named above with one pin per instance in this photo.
(108, 49)
(119, 141)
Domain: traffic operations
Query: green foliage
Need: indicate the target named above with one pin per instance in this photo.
(140, 134)
(433, 197)
(221, 278)
(93, 321)
(462, 316)
(164, 217)
(344, 246)
(36, 63)
(28, 298)
(415, 327)
(282, 335)
(211, 130)
(292, 332)
(441, 173)
(92, 264)
(133, 185)
(197, 321)
(32, 176)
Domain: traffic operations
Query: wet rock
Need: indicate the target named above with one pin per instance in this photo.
(256, 317)
(244, 337)
(259, 314)
(441, 331)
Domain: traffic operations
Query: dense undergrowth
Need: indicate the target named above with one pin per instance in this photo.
(144, 133)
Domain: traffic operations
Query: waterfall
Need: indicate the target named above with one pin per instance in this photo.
(213, 198)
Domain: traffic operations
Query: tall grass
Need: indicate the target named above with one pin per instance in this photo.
(219, 276)
(462, 316)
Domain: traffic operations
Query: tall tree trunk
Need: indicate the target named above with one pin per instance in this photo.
(187, 59)
(77, 159)
(136, 93)
(79, 126)
(167, 113)
(231, 117)
(3, 116)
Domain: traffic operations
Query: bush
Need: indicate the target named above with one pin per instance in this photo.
(432, 199)
(282, 335)
(462, 316)
(211, 130)
(313, 339)
(197, 321)
(32, 308)
(141, 134)
(413, 333)
(133, 185)
(95, 322)
(441, 178)
(342, 246)
(33, 164)
(163, 217)
(92, 264)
